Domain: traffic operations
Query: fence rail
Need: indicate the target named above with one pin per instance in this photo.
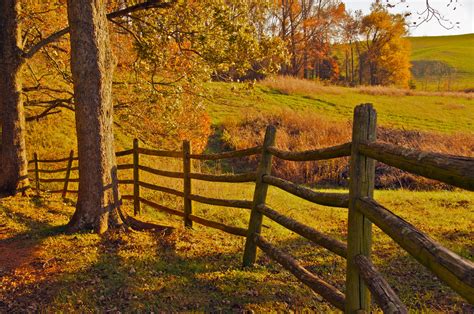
(362, 278)
(343, 150)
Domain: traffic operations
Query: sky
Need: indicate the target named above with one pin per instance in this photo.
(464, 14)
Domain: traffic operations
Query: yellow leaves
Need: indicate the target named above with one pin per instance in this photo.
(388, 52)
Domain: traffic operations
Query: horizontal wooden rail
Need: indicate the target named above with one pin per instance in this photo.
(161, 207)
(61, 191)
(305, 231)
(327, 291)
(160, 153)
(456, 271)
(60, 180)
(160, 188)
(454, 170)
(233, 154)
(217, 225)
(327, 199)
(241, 177)
(53, 170)
(127, 197)
(124, 153)
(384, 295)
(50, 170)
(127, 181)
(221, 202)
(53, 160)
(169, 174)
(125, 166)
(315, 154)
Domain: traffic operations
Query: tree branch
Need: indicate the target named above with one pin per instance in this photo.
(150, 4)
(54, 104)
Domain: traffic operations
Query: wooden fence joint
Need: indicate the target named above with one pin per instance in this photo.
(259, 197)
(361, 184)
(136, 178)
(68, 173)
(188, 209)
(37, 178)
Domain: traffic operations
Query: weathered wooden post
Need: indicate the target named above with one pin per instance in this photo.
(259, 197)
(188, 209)
(136, 178)
(68, 173)
(361, 184)
(37, 176)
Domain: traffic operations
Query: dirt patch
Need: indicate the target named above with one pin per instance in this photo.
(16, 254)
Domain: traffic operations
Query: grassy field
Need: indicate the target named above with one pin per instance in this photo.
(456, 51)
(46, 270)
(425, 112)
(43, 269)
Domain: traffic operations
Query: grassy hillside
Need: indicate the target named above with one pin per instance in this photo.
(396, 108)
(456, 51)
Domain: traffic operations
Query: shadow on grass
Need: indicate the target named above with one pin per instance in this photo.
(150, 272)
(164, 277)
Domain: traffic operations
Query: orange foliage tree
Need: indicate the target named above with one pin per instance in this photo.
(387, 51)
(307, 27)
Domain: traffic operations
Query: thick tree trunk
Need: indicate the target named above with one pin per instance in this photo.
(92, 66)
(13, 162)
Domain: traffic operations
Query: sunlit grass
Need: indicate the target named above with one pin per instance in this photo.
(199, 269)
(446, 114)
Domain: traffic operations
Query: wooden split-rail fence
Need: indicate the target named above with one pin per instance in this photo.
(362, 278)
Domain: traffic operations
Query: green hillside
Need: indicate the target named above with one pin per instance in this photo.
(456, 51)
(401, 109)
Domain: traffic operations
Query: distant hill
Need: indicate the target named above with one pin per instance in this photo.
(444, 60)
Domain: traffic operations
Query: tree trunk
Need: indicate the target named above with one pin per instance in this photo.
(13, 161)
(352, 66)
(92, 65)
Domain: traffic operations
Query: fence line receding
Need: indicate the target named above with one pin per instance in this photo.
(362, 278)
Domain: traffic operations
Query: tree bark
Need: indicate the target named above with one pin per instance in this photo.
(92, 65)
(13, 161)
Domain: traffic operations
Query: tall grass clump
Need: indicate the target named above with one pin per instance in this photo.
(303, 131)
(397, 92)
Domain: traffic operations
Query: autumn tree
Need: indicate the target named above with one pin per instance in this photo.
(18, 45)
(165, 59)
(387, 51)
(13, 162)
(92, 65)
(307, 27)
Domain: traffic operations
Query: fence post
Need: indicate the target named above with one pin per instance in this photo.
(37, 177)
(136, 178)
(259, 197)
(68, 173)
(188, 209)
(361, 184)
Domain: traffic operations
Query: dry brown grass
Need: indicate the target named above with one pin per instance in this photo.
(303, 131)
(395, 91)
(291, 85)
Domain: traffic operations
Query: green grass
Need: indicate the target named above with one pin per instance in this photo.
(199, 269)
(446, 114)
(457, 51)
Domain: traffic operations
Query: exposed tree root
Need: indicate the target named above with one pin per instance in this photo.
(138, 225)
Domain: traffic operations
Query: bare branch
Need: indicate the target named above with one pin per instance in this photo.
(150, 4)
(51, 104)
